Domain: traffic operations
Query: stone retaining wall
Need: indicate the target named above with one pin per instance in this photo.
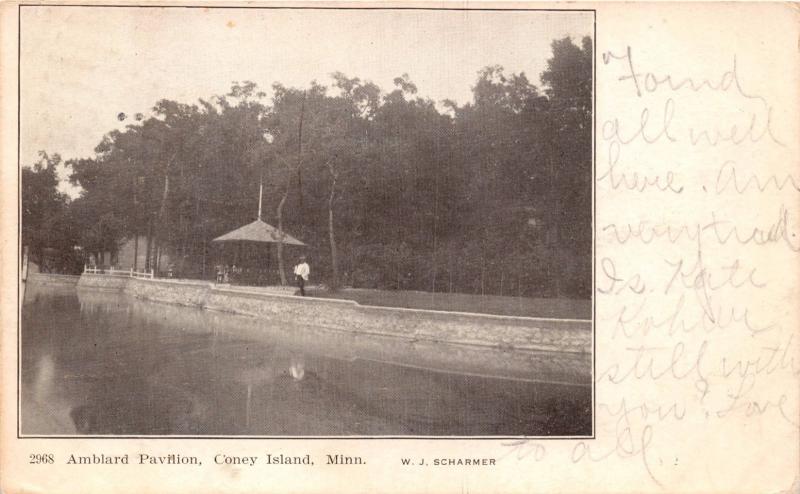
(347, 315)
(39, 284)
(103, 282)
(567, 341)
(52, 279)
(178, 292)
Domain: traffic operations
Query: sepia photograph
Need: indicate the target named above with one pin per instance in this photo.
(306, 222)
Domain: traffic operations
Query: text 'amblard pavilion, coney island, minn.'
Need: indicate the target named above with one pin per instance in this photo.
(218, 459)
(139, 458)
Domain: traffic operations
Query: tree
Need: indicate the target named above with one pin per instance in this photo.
(569, 89)
(178, 176)
(387, 189)
(43, 207)
(332, 235)
(284, 131)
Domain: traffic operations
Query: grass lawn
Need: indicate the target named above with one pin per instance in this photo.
(460, 302)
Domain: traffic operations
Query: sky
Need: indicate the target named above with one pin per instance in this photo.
(81, 67)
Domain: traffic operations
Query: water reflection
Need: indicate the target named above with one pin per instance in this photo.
(529, 366)
(116, 365)
(297, 367)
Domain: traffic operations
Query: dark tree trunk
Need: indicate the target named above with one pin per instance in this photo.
(136, 251)
(299, 152)
(148, 250)
(281, 270)
(334, 260)
(162, 211)
(205, 249)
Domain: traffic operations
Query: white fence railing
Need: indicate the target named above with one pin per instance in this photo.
(144, 275)
(119, 272)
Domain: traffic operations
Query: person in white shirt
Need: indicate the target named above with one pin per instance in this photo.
(301, 272)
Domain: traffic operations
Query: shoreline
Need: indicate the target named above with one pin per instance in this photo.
(564, 345)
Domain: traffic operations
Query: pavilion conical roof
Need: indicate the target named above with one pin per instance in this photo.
(258, 231)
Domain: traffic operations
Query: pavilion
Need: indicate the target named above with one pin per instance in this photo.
(249, 248)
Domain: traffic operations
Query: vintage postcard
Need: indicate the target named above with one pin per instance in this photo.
(400, 247)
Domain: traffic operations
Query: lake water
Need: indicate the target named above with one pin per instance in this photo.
(106, 364)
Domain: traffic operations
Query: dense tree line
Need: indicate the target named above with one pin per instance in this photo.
(490, 197)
